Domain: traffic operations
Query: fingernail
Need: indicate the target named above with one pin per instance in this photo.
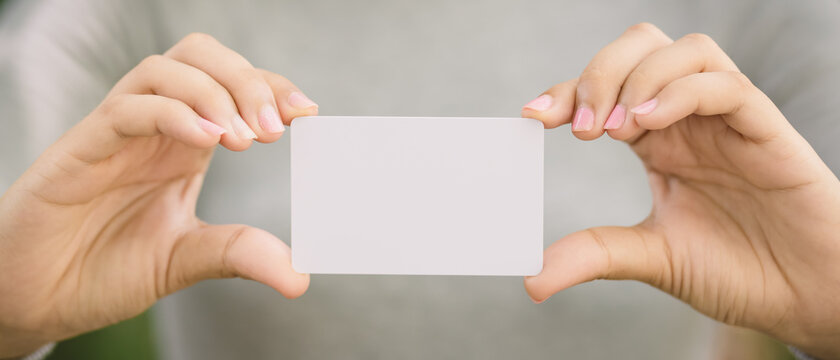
(646, 107)
(537, 301)
(270, 120)
(210, 127)
(584, 120)
(616, 118)
(242, 129)
(300, 101)
(541, 103)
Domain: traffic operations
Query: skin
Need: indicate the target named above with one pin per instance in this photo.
(743, 226)
(745, 214)
(103, 224)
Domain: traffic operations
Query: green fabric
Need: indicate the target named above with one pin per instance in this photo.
(129, 340)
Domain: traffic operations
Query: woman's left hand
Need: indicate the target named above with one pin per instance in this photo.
(746, 216)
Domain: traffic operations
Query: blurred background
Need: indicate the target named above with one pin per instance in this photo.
(58, 58)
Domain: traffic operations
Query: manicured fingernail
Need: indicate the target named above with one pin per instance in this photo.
(646, 107)
(300, 101)
(616, 118)
(584, 119)
(270, 120)
(541, 103)
(210, 127)
(242, 129)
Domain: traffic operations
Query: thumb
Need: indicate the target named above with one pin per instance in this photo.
(600, 253)
(223, 251)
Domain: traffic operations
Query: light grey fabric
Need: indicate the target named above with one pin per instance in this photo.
(41, 353)
(799, 354)
(433, 58)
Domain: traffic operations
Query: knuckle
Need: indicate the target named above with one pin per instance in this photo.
(221, 101)
(164, 110)
(110, 111)
(149, 65)
(252, 81)
(563, 89)
(592, 81)
(175, 109)
(196, 38)
(190, 42)
(228, 267)
(744, 87)
(594, 73)
(651, 32)
(742, 81)
(607, 256)
(265, 73)
(111, 105)
(645, 27)
(700, 39)
(641, 77)
(151, 61)
(211, 90)
(276, 80)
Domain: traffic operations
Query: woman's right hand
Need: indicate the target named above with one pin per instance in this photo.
(103, 223)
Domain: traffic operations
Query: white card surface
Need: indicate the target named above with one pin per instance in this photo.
(417, 195)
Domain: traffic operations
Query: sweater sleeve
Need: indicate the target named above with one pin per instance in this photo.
(799, 355)
(41, 353)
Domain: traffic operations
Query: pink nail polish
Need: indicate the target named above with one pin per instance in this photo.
(210, 127)
(584, 119)
(300, 101)
(616, 118)
(646, 107)
(270, 120)
(541, 103)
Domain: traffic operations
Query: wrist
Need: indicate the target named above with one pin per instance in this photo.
(39, 354)
(821, 343)
(822, 350)
(20, 344)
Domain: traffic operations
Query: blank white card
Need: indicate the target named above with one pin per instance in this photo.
(417, 195)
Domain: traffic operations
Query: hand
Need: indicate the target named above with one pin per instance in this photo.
(103, 223)
(745, 218)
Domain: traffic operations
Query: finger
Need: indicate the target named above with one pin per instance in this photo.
(164, 76)
(601, 81)
(693, 53)
(744, 108)
(600, 253)
(252, 95)
(554, 107)
(290, 100)
(122, 117)
(223, 251)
